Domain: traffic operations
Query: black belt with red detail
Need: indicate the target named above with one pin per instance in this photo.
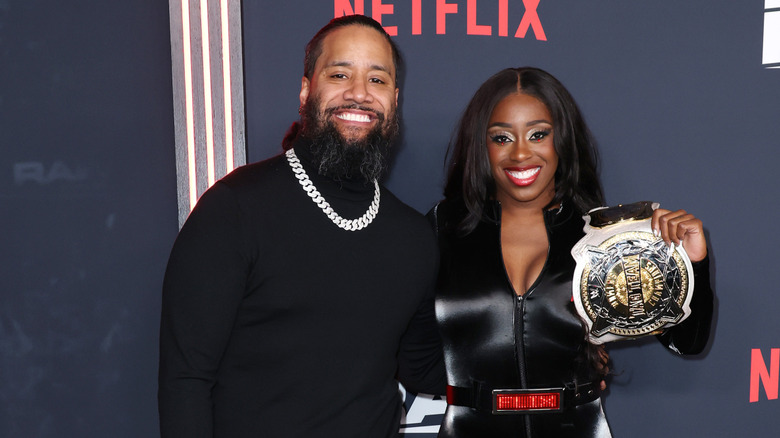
(522, 401)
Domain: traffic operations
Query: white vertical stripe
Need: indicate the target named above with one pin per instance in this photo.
(771, 52)
(207, 110)
(227, 86)
(192, 177)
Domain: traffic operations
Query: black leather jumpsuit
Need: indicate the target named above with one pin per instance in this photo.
(494, 339)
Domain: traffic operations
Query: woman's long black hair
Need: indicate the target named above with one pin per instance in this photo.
(469, 180)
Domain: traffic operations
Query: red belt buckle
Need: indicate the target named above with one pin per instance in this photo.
(527, 401)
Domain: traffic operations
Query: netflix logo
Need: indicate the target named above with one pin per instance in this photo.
(381, 9)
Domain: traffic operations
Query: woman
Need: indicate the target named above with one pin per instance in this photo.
(523, 172)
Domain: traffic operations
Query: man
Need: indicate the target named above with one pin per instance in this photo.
(281, 317)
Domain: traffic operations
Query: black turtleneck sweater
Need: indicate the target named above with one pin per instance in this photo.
(275, 322)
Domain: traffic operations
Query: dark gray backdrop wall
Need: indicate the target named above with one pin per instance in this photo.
(685, 114)
(87, 214)
(88, 207)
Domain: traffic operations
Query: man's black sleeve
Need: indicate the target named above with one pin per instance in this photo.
(203, 286)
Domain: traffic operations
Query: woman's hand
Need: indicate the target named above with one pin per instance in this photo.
(681, 228)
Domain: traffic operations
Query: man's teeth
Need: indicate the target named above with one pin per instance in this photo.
(524, 174)
(350, 117)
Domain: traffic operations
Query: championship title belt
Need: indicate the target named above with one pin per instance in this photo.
(629, 283)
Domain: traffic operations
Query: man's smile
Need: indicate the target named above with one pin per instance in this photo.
(354, 117)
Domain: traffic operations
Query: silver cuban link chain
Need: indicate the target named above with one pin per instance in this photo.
(314, 194)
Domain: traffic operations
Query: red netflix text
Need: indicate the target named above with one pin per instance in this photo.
(382, 8)
(767, 376)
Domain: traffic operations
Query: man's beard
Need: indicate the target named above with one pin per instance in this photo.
(344, 159)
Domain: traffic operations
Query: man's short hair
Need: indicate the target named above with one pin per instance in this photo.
(314, 48)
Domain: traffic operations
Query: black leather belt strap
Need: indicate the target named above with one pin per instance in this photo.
(484, 398)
